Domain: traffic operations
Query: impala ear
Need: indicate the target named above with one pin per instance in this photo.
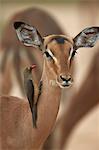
(86, 38)
(28, 35)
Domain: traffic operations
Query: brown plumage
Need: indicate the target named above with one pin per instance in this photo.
(32, 92)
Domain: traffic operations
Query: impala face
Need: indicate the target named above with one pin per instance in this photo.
(58, 55)
(58, 50)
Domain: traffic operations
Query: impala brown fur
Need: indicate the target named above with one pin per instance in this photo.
(55, 76)
(17, 116)
(61, 51)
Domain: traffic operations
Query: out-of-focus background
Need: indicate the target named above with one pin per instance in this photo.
(72, 16)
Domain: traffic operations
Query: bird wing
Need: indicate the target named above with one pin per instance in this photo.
(30, 93)
(29, 87)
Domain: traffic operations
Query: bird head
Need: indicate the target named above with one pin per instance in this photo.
(28, 70)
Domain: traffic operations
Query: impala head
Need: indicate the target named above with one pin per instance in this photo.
(58, 50)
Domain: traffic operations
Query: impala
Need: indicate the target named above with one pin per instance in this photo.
(16, 127)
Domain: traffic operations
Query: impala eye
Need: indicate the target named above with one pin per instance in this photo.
(73, 54)
(48, 55)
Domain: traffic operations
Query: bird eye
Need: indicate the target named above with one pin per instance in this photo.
(48, 55)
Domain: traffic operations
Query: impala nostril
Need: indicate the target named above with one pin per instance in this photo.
(65, 79)
(62, 78)
(68, 79)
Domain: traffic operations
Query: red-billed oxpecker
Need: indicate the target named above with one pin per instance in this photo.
(32, 91)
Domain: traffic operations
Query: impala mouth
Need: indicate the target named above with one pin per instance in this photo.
(64, 84)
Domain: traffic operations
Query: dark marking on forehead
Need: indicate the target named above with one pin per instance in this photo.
(58, 39)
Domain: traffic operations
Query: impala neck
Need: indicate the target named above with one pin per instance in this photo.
(48, 106)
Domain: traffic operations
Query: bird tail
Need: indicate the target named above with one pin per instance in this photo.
(34, 115)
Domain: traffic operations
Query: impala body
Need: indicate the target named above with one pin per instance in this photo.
(58, 51)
